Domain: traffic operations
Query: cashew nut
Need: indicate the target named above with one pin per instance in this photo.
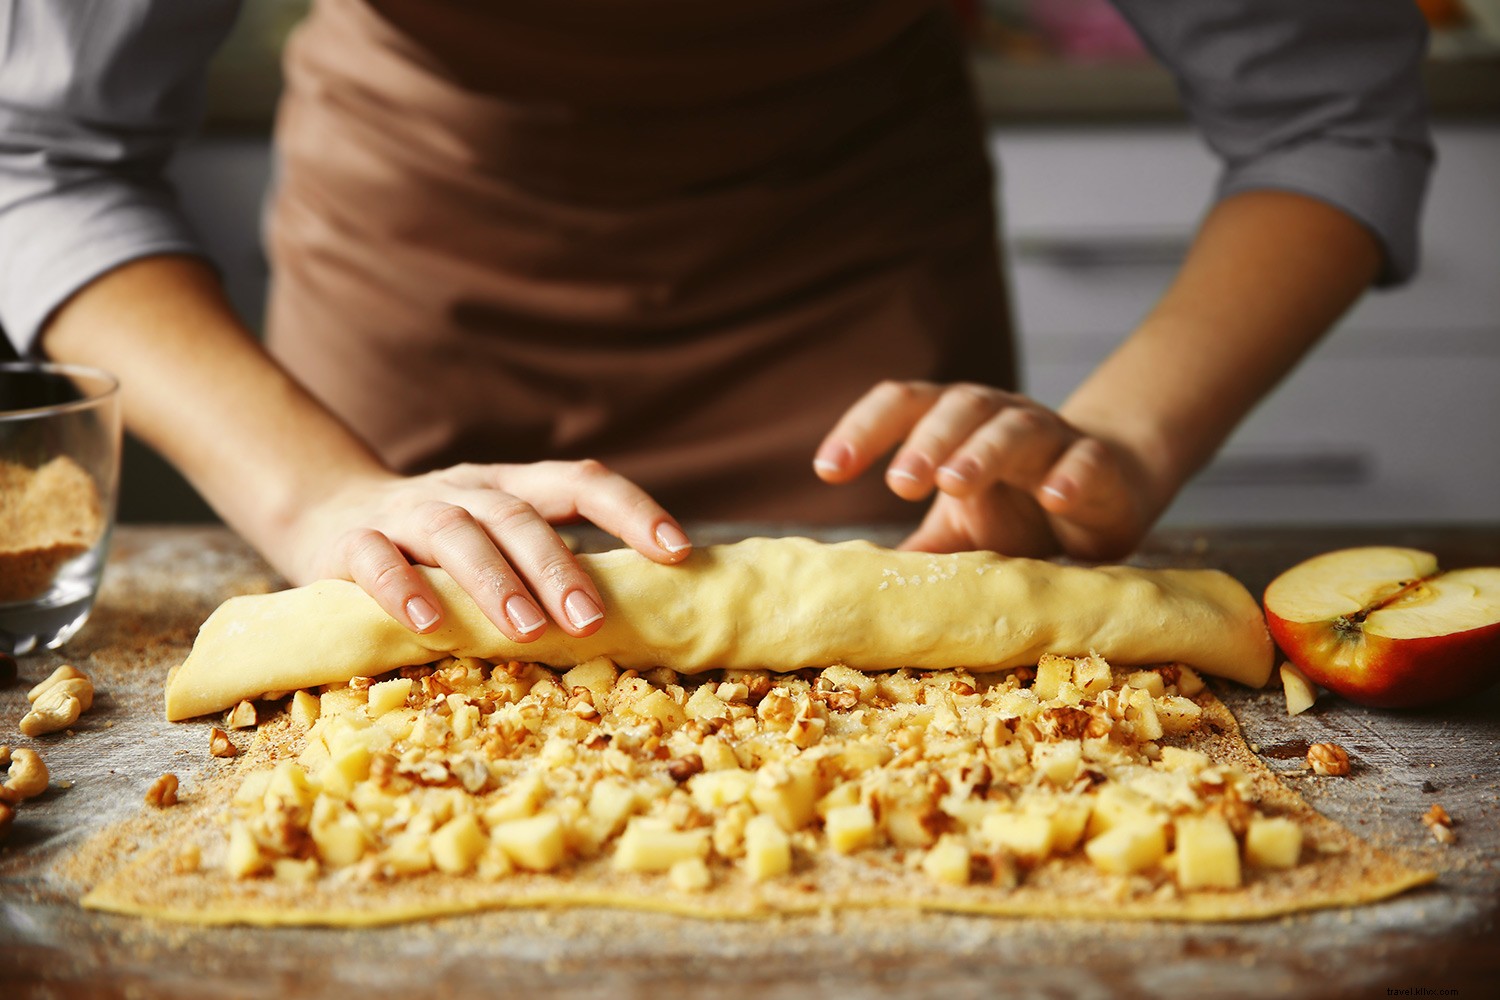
(66, 672)
(27, 778)
(54, 710)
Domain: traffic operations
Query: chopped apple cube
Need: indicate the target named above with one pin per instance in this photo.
(340, 841)
(1147, 723)
(717, 755)
(659, 705)
(340, 701)
(690, 875)
(293, 871)
(909, 824)
(704, 704)
(1128, 848)
(244, 857)
(713, 790)
(847, 793)
(387, 695)
(290, 785)
(535, 843)
(1208, 856)
(947, 863)
(1117, 805)
(1180, 759)
(1189, 683)
(768, 850)
(1178, 714)
(345, 769)
(1300, 692)
(521, 799)
(458, 844)
(1051, 671)
(1059, 763)
(1068, 817)
(790, 794)
(409, 852)
(304, 710)
(1147, 680)
(1273, 842)
(611, 803)
(651, 845)
(1092, 674)
(850, 828)
(1026, 835)
(598, 675)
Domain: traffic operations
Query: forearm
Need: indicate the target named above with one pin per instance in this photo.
(199, 389)
(1268, 274)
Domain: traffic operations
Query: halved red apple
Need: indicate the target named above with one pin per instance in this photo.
(1386, 627)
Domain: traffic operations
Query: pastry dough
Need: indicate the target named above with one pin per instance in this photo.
(782, 604)
(464, 786)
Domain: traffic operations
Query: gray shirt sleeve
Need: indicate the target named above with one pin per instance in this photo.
(94, 94)
(1320, 97)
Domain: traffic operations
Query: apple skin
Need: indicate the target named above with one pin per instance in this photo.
(1387, 627)
(1394, 673)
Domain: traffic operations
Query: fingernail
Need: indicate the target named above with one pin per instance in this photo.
(581, 609)
(834, 458)
(523, 614)
(421, 613)
(671, 538)
(910, 477)
(1061, 491)
(950, 471)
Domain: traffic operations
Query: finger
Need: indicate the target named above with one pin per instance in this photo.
(1017, 446)
(375, 563)
(1085, 483)
(563, 491)
(448, 535)
(543, 560)
(874, 425)
(958, 413)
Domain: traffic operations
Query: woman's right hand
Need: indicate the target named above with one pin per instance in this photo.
(490, 528)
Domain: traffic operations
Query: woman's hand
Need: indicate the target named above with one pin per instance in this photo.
(1011, 475)
(490, 527)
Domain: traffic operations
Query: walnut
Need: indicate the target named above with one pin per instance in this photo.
(219, 744)
(1328, 758)
(472, 772)
(382, 768)
(581, 704)
(27, 777)
(682, 768)
(1439, 824)
(361, 684)
(163, 791)
(838, 701)
(1065, 722)
(241, 716)
(961, 688)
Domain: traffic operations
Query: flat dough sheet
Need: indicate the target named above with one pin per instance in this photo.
(1339, 869)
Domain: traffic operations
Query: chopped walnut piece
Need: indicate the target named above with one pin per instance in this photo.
(220, 745)
(1328, 758)
(1065, 722)
(682, 768)
(1439, 824)
(163, 791)
(241, 716)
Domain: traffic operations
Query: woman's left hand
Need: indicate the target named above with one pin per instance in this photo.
(1010, 474)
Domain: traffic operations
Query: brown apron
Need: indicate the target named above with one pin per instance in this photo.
(678, 236)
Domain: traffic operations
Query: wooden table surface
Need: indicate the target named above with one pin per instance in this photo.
(162, 582)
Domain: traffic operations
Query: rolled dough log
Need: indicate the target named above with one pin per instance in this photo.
(782, 604)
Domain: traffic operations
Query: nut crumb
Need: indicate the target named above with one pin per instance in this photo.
(163, 791)
(220, 745)
(1328, 759)
(1439, 824)
(241, 716)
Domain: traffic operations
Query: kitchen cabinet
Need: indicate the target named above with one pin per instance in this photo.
(1392, 418)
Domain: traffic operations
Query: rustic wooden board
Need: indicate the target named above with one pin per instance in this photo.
(163, 582)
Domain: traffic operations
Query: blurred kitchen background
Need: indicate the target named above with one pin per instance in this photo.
(1396, 416)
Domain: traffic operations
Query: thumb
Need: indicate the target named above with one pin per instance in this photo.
(937, 533)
